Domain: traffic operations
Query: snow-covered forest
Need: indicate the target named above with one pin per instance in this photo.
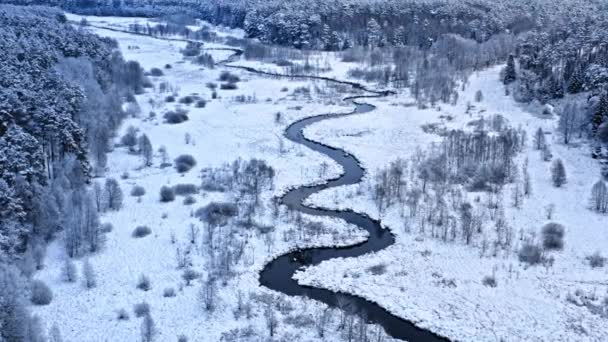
(344, 170)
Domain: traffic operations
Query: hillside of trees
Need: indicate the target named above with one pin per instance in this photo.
(61, 98)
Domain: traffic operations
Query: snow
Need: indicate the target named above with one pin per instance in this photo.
(223, 131)
(528, 303)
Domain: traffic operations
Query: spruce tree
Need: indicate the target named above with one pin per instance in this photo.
(510, 73)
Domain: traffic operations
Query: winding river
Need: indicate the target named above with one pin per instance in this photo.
(278, 274)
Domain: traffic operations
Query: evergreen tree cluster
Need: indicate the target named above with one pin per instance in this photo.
(61, 91)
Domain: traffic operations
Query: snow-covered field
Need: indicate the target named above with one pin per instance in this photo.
(528, 304)
(221, 132)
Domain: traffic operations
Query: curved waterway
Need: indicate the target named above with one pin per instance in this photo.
(278, 274)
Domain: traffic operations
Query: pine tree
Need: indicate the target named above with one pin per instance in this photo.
(539, 139)
(576, 81)
(510, 73)
(374, 33)
(400, 37)
(601, 112)
(558, 173)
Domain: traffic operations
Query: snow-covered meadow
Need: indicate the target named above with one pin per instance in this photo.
(437, 285)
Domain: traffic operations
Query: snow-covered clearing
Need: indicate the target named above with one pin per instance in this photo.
(437, 285)
(529, 304)
(224, 130)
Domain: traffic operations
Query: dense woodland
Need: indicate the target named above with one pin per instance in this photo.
(60, 102)
(560, 47)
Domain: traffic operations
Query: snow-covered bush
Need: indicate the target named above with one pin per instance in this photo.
(184, 163)
(189, 200)
(138, 191)
(201, 103)
(176, 117)
(558, 173)
(377, 269)
(122, 315)
(156, 72)
(40, 293)
(226, 76)
(141, 231)
(68, 271)
(189, 275)
(553, 236)
(169, 292)
(167, 194)
(530, 254)
(489, 281)
(90, 279)
(106, 227)
(228, 86)
(170, 99)
(143, 283)
(141, 309)
(596, 260)
(185, 189)
(187, 100)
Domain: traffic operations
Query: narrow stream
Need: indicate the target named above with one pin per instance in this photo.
(278, 274)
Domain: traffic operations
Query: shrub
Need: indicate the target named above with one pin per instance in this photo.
(192, 49)
(141, 231)
(182, 338)
(596, 260)
(228, 86)
(107, 227)
(168, 66)
(169, 292)
(530, 254)
(68, 272)
(184, 163)
(211, 85)
(130, 138)
(40, 293)
(558, 173)
(170, 99)
(143, 283)
(138, 191)
(377, 269)
(189, 275)
(185, 189)
(156, 72)
(553, 236)
(489, 281)
(141, 309)
(201, 103)
(226, 76)
(187, 100)
(176, 117)
(122, 315)
(167, 194)
(189, 200)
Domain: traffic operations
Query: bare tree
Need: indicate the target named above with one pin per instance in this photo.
(568, 121)
(599, 197)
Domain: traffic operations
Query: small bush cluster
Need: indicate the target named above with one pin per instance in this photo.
(530, 254)
(490, 281)
(167, 194)
(138, 191)
(185, 189)
(143, 283)
(141, 231)
(40, 293)
(226, 76)
(176, 117)
(184, 163)
(201, 103)
(122, 315)
(596, 260)
(170, 99)
(156, 72)
(141, 309)
(169, 292)
(553, 236)
(228, 86)
(189, 200)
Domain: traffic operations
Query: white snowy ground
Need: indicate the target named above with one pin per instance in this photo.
(221, 132)
(528, 304)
